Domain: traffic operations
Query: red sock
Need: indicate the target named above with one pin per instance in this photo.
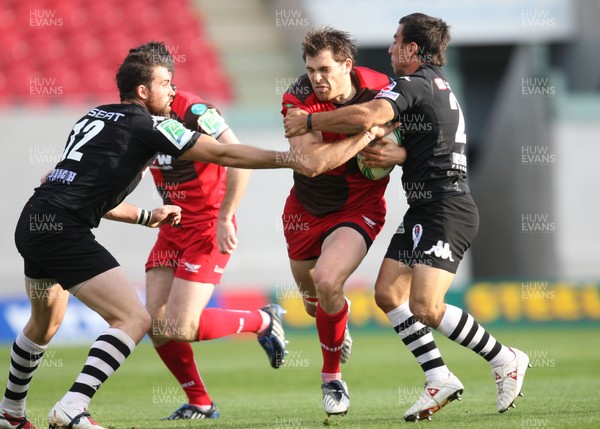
(179, 358)
(331, 329)
(217, 322)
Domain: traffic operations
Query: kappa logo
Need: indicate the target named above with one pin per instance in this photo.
(441, 250)
(192, 268)
(370, 223)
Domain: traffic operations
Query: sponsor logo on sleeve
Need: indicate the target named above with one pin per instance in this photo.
(439, 82)
(175, 132)
(199, 108)
(387, 92)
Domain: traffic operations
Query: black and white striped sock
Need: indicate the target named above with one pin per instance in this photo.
(462, 328)
(419, 340)
(24, 359)
(107, 353)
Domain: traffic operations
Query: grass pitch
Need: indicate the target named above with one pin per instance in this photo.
(561, 390)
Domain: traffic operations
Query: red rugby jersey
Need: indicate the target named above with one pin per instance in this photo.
(197, 187)
(343, 188)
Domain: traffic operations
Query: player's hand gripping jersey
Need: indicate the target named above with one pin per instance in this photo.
(343, 188)
(433, 132)
(197, 187)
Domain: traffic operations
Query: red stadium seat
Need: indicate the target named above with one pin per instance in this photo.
(77, 46)
(8, 21)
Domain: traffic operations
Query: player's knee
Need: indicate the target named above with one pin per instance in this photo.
(173, 329)
(329, 295)
(326, 282)
(144, 322)
(136, 325)
(388, 299)
(41, 332)
(427, 313)
(156, 331)
(384, 301)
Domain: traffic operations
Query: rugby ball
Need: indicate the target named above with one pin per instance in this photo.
(379, 173)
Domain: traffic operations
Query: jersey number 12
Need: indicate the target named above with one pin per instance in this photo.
(82, 133)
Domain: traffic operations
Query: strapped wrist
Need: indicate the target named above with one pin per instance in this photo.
(144, 217)
(309, 122)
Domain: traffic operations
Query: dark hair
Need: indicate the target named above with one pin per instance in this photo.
(138, 66)
(431, 34)
(340, 43)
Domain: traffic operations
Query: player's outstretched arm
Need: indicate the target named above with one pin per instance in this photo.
(316, 158)
(129, 213)
(207, 149)
(326, 156)
(346, 120)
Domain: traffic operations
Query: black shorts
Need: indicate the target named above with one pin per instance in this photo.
(436, 234)
(56, 244)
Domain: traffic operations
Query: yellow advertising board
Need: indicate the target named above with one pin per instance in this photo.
(505, 302)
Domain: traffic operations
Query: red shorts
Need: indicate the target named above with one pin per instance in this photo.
(305, 233)
(192, 252)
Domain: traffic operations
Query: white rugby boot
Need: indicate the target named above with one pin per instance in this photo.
(435, 395)
(509, 380)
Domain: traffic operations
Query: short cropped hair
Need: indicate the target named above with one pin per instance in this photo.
(432, 35)
(138, 66)
(340, 43)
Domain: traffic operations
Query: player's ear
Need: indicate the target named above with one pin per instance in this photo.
(142, 92)
(348, 65)
(413, 48)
